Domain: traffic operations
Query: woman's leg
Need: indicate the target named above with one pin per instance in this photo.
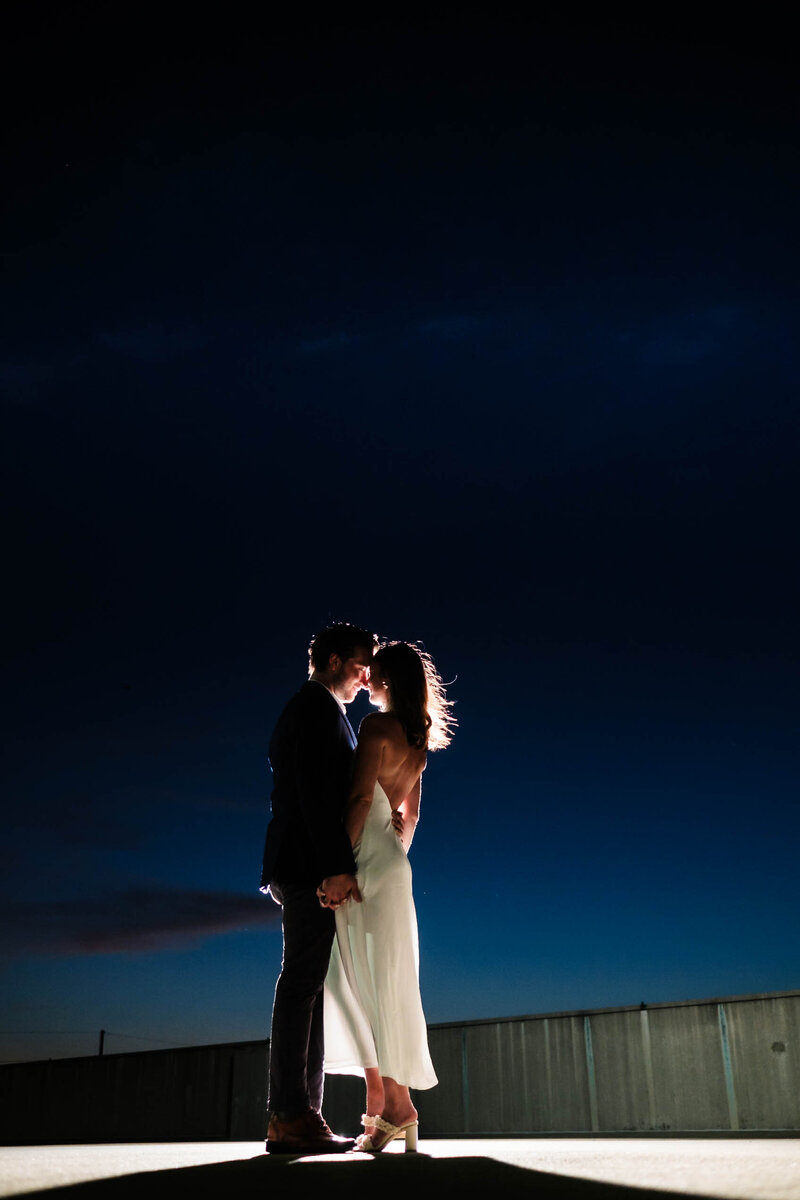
(375, 1095)
(397, 1109)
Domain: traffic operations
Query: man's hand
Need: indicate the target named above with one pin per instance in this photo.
(337, 889)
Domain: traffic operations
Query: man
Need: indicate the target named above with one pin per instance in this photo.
(309, 869)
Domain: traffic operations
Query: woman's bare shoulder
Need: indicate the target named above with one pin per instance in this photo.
(378, 725)
(382, 725)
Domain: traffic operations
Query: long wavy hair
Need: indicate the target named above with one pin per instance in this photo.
(417, 695)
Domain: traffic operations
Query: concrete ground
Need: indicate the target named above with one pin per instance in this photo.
(545, 1168)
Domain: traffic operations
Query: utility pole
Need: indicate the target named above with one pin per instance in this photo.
(102, 1040)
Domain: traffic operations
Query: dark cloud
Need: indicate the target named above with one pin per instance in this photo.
(139, 920)
(334, 341)
(153, 343)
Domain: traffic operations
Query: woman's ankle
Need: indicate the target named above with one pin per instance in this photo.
(399, 1114)
(376, 1097)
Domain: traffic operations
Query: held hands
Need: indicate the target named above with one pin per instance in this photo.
(336, 890)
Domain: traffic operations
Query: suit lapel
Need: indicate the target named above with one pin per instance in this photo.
(349, 730)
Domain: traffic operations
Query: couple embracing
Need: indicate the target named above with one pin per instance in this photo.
(343, 815)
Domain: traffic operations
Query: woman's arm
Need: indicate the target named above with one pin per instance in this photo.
(369, 755)
(406, 815)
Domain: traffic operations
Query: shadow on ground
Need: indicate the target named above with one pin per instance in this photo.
(416, 1175)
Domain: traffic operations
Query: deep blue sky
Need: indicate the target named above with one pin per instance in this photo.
(479, 334)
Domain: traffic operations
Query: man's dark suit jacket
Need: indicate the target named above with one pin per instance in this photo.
(311, 754)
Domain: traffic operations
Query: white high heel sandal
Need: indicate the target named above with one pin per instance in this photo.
(372, 1143)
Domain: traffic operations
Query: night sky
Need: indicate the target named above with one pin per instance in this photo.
(472, 332)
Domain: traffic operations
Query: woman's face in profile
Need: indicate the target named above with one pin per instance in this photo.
(378, 691)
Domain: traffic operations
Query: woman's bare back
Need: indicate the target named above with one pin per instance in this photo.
(401, 765)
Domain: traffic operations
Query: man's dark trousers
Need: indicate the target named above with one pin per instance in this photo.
(308, 933)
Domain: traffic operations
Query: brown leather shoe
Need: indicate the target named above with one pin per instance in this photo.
(306, 1134)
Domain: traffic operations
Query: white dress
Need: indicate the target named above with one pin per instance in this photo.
(373, 1011)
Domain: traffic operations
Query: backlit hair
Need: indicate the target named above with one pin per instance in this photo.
(417, 695)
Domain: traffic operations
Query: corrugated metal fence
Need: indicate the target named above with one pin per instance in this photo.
(729, 1064)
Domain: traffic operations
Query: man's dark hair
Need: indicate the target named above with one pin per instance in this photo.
(342, 639)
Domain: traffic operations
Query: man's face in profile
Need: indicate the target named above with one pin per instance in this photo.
(350, 675)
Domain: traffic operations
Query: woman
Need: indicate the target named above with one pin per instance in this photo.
(374, 1023)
